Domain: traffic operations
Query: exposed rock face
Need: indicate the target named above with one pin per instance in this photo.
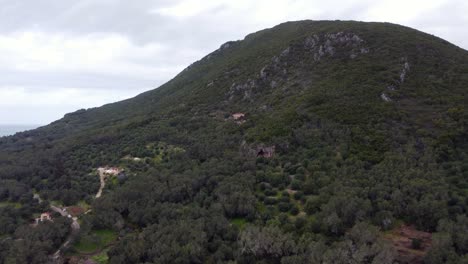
(404, 71)
(265, 152)
(329, 44)
(401, 79)
(226, 45)
(261, 150)
(223, 47)
(385, 97)
(315, 47)
(244, 89)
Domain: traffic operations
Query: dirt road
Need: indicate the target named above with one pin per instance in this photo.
(102, 178)
(75, 229)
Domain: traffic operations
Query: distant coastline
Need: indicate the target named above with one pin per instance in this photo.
(8, 130)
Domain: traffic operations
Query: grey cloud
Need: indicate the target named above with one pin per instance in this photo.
(83, 17)
(448, 21)
(50, 81)
(132, 19)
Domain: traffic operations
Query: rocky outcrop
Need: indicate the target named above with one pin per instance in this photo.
(265, 152)
(258, 150)
(385, 97)
(331, 43)
(244, 90)
(310, 50)
(405, 69)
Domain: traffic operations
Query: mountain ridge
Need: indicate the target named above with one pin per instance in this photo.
(216, 52)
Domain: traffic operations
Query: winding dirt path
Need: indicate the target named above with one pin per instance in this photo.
(75, 229)
(102, 178)
(75, 226)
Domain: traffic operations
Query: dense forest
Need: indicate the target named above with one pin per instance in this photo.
(310, 142)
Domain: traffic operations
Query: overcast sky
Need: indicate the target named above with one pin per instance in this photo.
(57, 56)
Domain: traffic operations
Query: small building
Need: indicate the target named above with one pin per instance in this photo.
(112, 170)
(45, 217)
(238, 116)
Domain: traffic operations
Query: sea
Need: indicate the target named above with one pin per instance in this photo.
(8, 130)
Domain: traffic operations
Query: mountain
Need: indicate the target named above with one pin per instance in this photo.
(310, 142)
(7, 130)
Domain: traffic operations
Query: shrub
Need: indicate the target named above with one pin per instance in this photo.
(284, 207)
(294, 210)
(300, 222)
(270, 192)
(270, 201)
(261, 197)
(298, 195)
(416, 243)
(312, 205)
(296, 185)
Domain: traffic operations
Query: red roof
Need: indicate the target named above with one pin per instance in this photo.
(238, 115)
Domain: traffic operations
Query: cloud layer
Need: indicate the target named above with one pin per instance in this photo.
(58, 56)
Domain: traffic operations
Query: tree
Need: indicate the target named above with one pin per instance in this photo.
(266, 242)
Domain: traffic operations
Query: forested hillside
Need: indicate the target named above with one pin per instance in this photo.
(310, 142)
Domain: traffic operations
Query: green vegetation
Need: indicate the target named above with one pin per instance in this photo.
(365, 124)
(239, 222)
(95, 241)
(101, 258)
(14, 205)
(84, 205)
